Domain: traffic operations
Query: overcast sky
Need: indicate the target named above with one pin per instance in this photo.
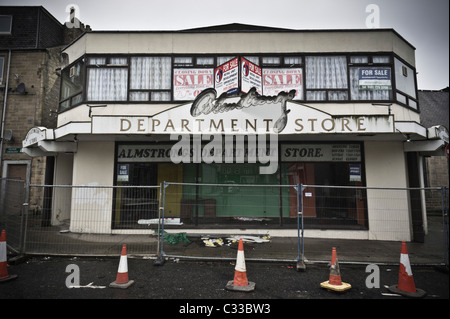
(423, 23)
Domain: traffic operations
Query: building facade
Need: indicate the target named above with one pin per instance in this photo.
(31, 40)
(238, 105)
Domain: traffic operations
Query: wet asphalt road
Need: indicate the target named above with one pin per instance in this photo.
(278, 285)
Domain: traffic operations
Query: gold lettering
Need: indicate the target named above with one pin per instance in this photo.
(233, 125)
(312, 124)
(122, 127)
(140, 124)
(184, 125)
(300, 125)
(345, 124)
(332, 125)
(220, 123)
(199, 124)
(267, 124)
(248, 123)
(169, 123)
(360, 124)
(153, 124)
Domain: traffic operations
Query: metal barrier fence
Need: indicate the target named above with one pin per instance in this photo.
(151, 220)
(13, 195)
(79, 220)
(377, 216)
(221, 213)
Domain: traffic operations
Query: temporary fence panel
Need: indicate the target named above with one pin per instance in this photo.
(374, 216)
(93, 220)
(12, 198)
(98, 220)
(218, 214)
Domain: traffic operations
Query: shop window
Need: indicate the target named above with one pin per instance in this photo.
(327, 204)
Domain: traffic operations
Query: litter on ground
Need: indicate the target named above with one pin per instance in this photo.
(167, 221)
(174, 238)
(217, 242)
(251, 239)
(212, 242)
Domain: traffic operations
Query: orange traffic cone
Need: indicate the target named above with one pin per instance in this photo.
(3, 260)
(406, 286)
(122, 280)
(334, 282)
(240, 282)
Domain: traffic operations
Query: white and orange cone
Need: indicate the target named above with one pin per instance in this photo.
(240, 282)
(335, 282)
(406, 286)
(122, 280)
(4, 276)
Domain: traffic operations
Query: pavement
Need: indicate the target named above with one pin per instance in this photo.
(433, 251)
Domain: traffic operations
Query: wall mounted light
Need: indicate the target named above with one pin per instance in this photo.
(407, 136)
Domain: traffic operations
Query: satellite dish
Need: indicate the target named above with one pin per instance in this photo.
(21, 88)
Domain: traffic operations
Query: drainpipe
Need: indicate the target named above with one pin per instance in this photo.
(5, 98)
(422, 195)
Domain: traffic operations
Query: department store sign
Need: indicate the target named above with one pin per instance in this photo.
(244, 114)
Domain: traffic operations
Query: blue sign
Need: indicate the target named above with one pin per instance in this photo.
(355, 173)
(375, 78)
(122, 172)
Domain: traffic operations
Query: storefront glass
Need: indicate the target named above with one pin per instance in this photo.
(225, 194)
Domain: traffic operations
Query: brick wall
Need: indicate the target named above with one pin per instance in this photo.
(32, 28)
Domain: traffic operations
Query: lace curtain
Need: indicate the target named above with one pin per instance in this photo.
(107, 83)
(150, 73)
(326, 72)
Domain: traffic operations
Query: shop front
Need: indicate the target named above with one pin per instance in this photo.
(231, 169)
(231, 123)
(220, 194)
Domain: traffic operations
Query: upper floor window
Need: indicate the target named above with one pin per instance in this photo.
(72, 80)
(5, 24)
(107, 79)
(315, 77)
(150, 78)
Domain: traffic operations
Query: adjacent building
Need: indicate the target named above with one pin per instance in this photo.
(240, 105)
(31, 40)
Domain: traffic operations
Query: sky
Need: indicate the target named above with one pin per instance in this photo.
(423, 23)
